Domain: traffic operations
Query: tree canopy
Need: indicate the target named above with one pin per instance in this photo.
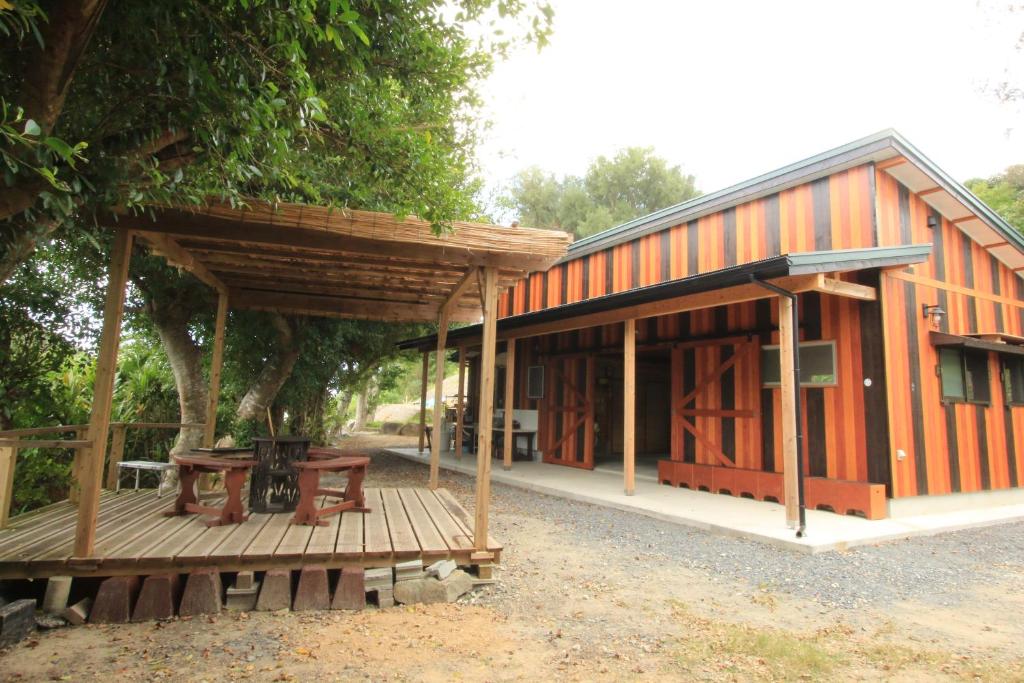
(1004, 193)
(633, 183)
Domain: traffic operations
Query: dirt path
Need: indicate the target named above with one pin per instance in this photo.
(585, 594)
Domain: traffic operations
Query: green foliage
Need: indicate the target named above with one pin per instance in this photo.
(632, 184)
(1004, 193)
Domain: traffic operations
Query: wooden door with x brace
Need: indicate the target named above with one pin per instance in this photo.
(568, 411)
(716, 388)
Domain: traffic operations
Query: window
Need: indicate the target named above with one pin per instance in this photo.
(1013, 380)
(964, 376)
(817, 364)
(535, 381)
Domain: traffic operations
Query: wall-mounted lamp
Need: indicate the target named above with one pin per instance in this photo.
(933, 222)
(933, 313)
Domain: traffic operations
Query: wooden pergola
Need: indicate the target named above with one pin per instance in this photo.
(319, 261)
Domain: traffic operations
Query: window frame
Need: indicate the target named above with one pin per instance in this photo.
(966, 378)
(804, 344)
(1007, 379)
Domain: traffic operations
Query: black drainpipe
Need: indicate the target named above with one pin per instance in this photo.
(802, 530)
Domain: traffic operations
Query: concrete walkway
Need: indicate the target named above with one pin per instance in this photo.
(721, 514)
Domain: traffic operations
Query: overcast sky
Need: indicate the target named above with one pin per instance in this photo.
(731, 89)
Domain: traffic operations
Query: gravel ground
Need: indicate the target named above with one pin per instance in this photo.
(934, 569)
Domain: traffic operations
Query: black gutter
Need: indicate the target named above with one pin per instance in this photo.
(802, 529)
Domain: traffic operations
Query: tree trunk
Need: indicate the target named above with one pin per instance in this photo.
(362, 409)
(186, 359)
(344, 401)
(274, 374)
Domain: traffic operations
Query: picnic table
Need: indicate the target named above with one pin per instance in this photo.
(235, 471)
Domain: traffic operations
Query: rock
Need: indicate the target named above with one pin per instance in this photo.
(58, 588)
(17, 620)
(457, 584)
(45, 622)
(420, 591)
(442, 569)
(390, 428)
(411, 429)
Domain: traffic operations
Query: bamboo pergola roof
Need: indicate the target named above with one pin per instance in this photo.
(322, 261)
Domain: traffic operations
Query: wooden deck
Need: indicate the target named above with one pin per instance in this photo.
(134, 537)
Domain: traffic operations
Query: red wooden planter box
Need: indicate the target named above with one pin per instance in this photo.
(846, 497)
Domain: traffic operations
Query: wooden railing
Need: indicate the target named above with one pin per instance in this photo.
(13, 440)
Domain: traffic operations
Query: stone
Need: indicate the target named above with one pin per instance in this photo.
(441, 569)
(351, 591)
(58, 589)
(114, 600)
(390, 427)
(405, 571)
(158, 598)
(202, 593)
(420, 591)
(243, 594)
(313, 592)
(17, 620)
(77, 613)
(385, 597)
(410, 429)
(47, 622)
(275, 591)
(457, 584)
(381, 577)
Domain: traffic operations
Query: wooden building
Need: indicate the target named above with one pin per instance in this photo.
(657, 342)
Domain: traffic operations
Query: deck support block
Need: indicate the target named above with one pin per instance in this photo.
(351, 591)
(275, 591)
(158, 598)
(114, 600)
(313, 592)
(58, 590)
(202, 593)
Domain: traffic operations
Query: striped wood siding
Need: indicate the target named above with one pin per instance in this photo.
(950, 447)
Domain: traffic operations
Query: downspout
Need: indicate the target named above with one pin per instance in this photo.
(802, 529)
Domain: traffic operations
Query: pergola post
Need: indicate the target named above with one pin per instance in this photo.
(485, 417)
(210, 430)
(510, 383)
(790, 461)
(91, 463)
(629, 408)
(423, 399)
(460, 406)
(435, 443)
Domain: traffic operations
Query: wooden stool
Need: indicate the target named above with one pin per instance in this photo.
(235, 471)
(329, 460)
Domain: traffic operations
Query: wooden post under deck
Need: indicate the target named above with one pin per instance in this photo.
(216, 360)
(435, 442)
(787, 340)
(510, 382)
(485, 416)
(629, 408)
(460, 407)
(423, 400)
(92, 459)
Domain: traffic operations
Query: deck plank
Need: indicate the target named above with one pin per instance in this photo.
(403, 538)
(375, 527)
(324, 539)
(37, 528)
(203, 546)
(350, 537)
(114, 527)
(454, 534)
(296, 539)
(170, 547)
(462, 516)
(269, 537)
(431, 542)
(236, 544)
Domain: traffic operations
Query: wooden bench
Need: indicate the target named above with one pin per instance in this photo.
(235, 471)
(329, 460)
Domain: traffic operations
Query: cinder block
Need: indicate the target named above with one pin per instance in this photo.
(202, 593)
(17, 620)
(242, 595)
(351, 593)
(385, 597)
(114, 600)
(158, 598)
(312, 593)
(275, 591)
(381, 577)
(77, 613)
(58, 588)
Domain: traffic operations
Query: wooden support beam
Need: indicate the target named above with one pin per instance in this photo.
(103, 390)
(460, 288)
(485, 414)
(629, 408)
(176, 255)
(510, 382)
(325, 306)
(423, 400)
(930, 190)
(118, 437)
(460, 408)
(788, 418)
(889, 163)
(8, 459)
(216, 360)
(435, 443)
(852, 290)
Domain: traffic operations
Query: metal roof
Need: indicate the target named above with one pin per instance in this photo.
(802, 263)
